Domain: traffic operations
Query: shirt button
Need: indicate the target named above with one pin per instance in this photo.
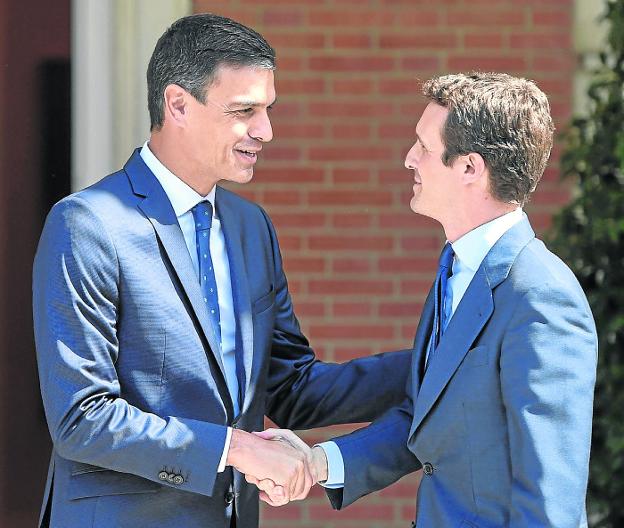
(229, 498)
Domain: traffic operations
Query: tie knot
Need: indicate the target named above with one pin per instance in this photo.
(446, 257)
(202, 214)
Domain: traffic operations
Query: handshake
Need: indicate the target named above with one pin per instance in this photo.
(278, 462)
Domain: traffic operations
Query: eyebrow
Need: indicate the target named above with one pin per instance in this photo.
(253, 104)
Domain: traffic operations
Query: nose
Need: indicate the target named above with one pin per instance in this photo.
(411, 158)
(261, 128)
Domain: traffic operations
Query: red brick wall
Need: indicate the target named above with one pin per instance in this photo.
(359, 262)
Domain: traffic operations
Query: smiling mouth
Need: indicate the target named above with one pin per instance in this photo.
(250, 155)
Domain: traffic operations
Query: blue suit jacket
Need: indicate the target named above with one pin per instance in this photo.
(501, 421)
(131, 375)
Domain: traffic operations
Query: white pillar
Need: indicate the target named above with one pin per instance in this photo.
(112, 41)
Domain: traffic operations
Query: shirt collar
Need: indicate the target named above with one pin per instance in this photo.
(182, 197)
(471, 249)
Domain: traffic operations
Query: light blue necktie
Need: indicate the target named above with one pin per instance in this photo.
(202, 214)
(445, 270)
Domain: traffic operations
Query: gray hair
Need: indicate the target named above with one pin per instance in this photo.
(191, 50)
(504, 119)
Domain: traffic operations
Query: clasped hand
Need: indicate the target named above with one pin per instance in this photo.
(279, 463)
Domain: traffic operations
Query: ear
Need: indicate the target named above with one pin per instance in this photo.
(176, 105)
(474, 168)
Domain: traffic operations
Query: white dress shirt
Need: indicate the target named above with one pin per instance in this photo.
(470, 250)
(183, 198)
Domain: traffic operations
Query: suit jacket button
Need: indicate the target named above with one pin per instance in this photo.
(427, 468)
(163, 475)
(229, 498)
(178, 479)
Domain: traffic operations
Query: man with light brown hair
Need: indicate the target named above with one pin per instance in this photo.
(498, 407)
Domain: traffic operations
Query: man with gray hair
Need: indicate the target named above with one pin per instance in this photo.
(498, 407)
(163, 323)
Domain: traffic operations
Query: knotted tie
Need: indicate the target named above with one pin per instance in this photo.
(202, 214)
(445, 270)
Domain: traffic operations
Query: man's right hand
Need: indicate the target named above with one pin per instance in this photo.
(281, 471)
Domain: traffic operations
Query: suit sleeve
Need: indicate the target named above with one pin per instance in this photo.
(304, 392)
(76, 281)
(548, 369)
(377, 455)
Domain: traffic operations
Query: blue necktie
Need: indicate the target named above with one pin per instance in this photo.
(445, 270)
(202, 214)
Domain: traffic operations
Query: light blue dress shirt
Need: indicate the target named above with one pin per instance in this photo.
(470, 250)
(183, 198)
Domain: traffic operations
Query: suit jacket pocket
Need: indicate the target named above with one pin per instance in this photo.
(92, 481)
(264, 302)
(477, 357)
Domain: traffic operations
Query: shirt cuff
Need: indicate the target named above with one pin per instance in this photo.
(226, 449)
(335, 465)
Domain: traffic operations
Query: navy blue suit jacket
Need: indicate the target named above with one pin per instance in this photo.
(132, 381)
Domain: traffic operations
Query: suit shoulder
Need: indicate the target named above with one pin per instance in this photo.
(103, 198)
(538, 271)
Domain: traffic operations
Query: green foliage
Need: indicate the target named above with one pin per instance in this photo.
(589, 235)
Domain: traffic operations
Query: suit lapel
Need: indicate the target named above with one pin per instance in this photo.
(232, 230)
(158, 210)
(421, 341)
(472, 314)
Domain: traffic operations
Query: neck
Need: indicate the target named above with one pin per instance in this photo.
(172, 155)
(470, 218)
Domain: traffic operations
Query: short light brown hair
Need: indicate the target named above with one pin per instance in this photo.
(505, 119)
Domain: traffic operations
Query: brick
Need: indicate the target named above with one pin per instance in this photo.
(371, 63)
(300, 86)
(351, 332)
(400, 309)
(295, 40)
(304, 264)
(351, 265)
(282, 17)
(422, 243)
(275, 197)
(289, 63)
(418, 287)
(352, 110)
(290, 242)
(408, 87)
(309, 308)
(403, 130)
(350, 154)
(407, 220)
(351, 130)
(419, 18)
(352, 220)
(350, 287)
(294, 174)
(475, 62)
(407, 264)
(418, 64)
(351, 243)
(282, 152)
(546, 41)
(433, 41)
(298, 219)
(284, 110)
(554, 18)
(352, 41)
(480, 40)
(344, 198)
(302, 130)
(353, 86)
(288, 512)
(486, 18)
(352, 18)
(351, 309)
(350, 176)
